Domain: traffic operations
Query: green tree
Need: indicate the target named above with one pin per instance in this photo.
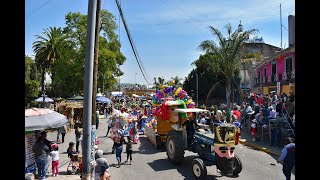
(31, 84)
(70, 66)
(226, 53)
(46, 50)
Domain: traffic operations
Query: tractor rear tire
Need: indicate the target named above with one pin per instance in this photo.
(237, 166)
(199, 169)
(175, 147)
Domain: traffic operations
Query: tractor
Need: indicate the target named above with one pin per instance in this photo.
(213, 148)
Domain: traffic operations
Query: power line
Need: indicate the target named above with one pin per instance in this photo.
(131, 41)
(36, 9)
(200, 21)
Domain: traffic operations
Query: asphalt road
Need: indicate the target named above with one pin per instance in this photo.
(149, 163)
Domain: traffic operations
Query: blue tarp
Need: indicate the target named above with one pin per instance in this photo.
(103, 99)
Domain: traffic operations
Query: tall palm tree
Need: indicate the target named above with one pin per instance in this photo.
(160, 81)
(176, 80)
(227, 57)
(46, 50)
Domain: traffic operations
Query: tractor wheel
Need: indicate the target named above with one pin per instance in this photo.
(69, 172)
(199, 169)
(237, 165)
(175, 147)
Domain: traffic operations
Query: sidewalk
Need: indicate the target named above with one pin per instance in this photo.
(63, 159)
(259, 145)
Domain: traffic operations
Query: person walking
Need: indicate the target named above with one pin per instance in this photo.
(55, 159)
(78, 134)
(63, 131)
(97, 119)
(287, 158)
(101, 164)
(109, 123)
(129, 149)
(119, 147)
(58, 135)
(41, 151)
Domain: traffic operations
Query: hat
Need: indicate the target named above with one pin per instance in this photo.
(190, 114)
(271, 107)
(254, 120)
(219, 112)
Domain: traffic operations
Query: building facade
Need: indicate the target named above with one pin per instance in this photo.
(276, 70)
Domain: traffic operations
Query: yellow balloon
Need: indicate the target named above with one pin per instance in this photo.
(172, 83)
(177, 91)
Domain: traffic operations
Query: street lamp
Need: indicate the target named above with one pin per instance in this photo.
(135, 83)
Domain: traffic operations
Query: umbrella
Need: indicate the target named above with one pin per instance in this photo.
(46, 99)
(42, 118)
(103, 99)
(76, 98)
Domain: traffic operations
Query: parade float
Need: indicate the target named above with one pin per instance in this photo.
(166, 99)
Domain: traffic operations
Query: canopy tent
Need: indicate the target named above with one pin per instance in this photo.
(116, 93)
(76, 98)
(42, 118)
(103, 99)
(99, 94)
(46, 99)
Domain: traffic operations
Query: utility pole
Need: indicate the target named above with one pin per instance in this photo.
(281, 26)
(197, 90)
(96, 58)
(87, 104)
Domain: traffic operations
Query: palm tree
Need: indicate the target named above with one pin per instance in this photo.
(176, 81)
(226, 53)
(159, 82)
(46, 50)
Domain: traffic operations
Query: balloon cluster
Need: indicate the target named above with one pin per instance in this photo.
(153, 123)
(169, 90)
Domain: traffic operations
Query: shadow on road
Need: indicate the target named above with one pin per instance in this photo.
(185, 168)
(146, 147)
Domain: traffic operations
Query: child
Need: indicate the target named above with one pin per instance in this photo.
(235, 121)
(55, 159)
(254, 129)
(129, 149)
(71, 152)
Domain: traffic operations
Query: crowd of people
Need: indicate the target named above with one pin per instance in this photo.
(127, 116)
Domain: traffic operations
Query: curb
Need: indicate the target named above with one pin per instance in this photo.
(254, 146)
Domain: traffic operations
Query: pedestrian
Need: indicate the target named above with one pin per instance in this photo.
(41, 151)
(235, 121)
(129, 149)
(97, 119)
(71, 152)
(58, 135)
(109, 123)
(287, 158)
(101, 164)
(119, 148)
(55, 159)
(253, 129)
(63, 131)
(78, 134)
(105, 175)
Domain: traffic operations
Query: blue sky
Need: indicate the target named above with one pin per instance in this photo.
(166, 33)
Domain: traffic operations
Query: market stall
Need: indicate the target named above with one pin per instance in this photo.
(73, 111)
(36, 120)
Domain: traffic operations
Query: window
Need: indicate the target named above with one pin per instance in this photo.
(274, 70)
(265, 75)
(289, 64)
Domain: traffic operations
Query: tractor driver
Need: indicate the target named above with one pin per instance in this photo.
(190, 124)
